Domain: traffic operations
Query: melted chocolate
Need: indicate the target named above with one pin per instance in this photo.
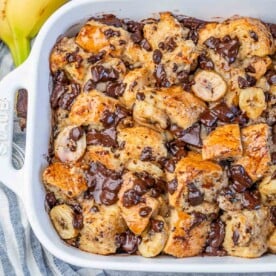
(131, 198)
(205, 63)
(215, 239)
(127, 242)
(157, 225)
(111, 33)
(110, 20)
(115, 89)
(248, 81)
(195, 196)
(241, 180)
(104, 184)
(172, 186)
(236, 237)
(227, 47)
(208, 118)
(78, 221)
(50, 200)
(198, 218)
(161, 76)
(106, 137)
(157, 56)
(145, 211)
(147, 155)
(271, 77)
(177, 148)
(251, 200)
(190, 135)
(76, 133)
(97, 57)
(101, 74)
(145, 45)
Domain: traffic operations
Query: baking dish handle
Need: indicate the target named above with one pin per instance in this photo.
(15, 80)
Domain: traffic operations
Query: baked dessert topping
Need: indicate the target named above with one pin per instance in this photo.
(163, 137)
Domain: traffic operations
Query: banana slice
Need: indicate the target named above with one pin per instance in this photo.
(252, 102)
(153, 242)
(209, 86)
(70, 144)
(62, 217)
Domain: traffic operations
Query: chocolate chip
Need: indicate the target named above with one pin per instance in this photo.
(97, 57)
(191, 135)
(108, 198)
(193, 24)
(254, 36)
(208, 118)
(169, 165)
(168, 46)
(273, 158)
(94, 209)
(273, 214)
(271, 77)
(172, 186)
(78, 221)
(195, 197)
(147, 155)
(241, 180)
(140, 186)
(106, 138)
(111, 33)
(183, 76)
(145, 211)
(161, 76)
(110, 20)
(101, 74)
(248, 81)
(274, 134)
(51, 200)
(157, 56)
(145, 45)
(89, 85)
(58, 91)
(127, 242)
(140, 96)
(103, 184)
(205, 63)
(60, 77)
(157, 225)
(272, 28)
(115, 89)
(223, 113)
(130, 198)
(66, 99)
(216, 234)
(198, 218)
(161, 45)
(227, 47)
(76, 133)
(250, 69)
(251, 200)
(236, 237)
(177, 148)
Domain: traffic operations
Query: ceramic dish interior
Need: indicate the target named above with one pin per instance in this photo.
(34, 76)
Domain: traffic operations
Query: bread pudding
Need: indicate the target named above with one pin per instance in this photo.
(164, 137)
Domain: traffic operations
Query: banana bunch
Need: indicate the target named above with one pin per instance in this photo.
(20, 21)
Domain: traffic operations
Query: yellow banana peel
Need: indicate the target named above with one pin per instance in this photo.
(20, 21)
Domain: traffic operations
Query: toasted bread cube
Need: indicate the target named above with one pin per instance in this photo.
(256, 156)
(207, 179)
(65, 181)
(246, 232)
(222, 143)
(135, 222)
(187, 235)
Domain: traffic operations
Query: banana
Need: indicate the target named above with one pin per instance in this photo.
(153, 242)
(69, 148)
(209, 86)
(62, 218)
(252, 102)
(20, 20)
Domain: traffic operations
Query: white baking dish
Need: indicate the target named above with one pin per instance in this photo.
(34, 75)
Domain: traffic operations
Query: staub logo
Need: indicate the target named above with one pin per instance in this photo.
(4, 119)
